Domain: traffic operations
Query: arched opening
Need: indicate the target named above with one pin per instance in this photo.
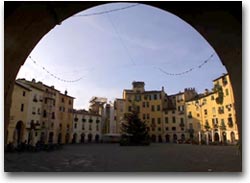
(167, 138)
(90, 137)
(174, 138)
(216, 30)
(153, 138)
(74, 138)
(97, 137)
(51, 136)
(67, 138)
(159, 138)
(82, 138)
(216, 137)
(19, 132)
(232, 137)
(42, 138)
(59, 138)
(182, 137)
(224, 136)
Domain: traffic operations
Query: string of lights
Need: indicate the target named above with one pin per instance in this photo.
(107, 11)
(53, 75)
(189, 70)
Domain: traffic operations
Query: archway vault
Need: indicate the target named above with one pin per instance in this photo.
(25, 23)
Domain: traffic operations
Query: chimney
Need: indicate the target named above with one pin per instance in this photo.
(65, 92)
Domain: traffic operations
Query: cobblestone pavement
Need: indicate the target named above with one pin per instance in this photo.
(114, 158)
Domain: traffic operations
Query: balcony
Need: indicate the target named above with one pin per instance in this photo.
(190, 116)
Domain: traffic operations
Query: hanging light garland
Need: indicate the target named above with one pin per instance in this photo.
(53, 75)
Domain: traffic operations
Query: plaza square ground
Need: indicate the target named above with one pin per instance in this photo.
(115, 158)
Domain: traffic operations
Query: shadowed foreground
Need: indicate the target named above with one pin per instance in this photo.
(112, 157)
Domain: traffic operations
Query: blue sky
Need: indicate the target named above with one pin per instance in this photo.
(112, 50)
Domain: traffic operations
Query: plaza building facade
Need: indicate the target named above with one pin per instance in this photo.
(86, 127)
(212, 115)
(40, 117)
(175, 119)
(149, 104)
(16, 132)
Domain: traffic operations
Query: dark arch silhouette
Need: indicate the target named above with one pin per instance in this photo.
(220, 23)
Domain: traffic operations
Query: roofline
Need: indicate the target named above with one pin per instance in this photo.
(221, 77)
(22, 85)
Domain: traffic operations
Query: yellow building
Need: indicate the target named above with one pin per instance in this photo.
(64, 115)
(16, 132)
(175, 119)
(46, 117)
(150, 106)
(212, 114)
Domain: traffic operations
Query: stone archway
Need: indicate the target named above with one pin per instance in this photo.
(74, 139)
(97, 138)
(232, 137)
(174, 138)
(82, 138)
(90, 137)
(18, 133)
(167, 137)
(51, 137)
(59, 138)
(220, 23)
(216, 137)
(153, 138)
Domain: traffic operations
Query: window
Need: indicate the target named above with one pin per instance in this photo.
(144, 116)
(69, 102)
(143, 104)
(145, 97)
(22, 107)
(153, 120)
(198, 115)
(62, 100)
(158, 107)
(212, 97)
(152, 108)
(44, 113)
(230, 122)
(173, 119)
(147, 104)
(159, 129)
(38, 111)
(189, 114)
(166, 128)
(149, 96)
(205, 111)
(24, 93)
(227, 92)
(155, 96)
(137, 97)
(173, 111)
(45, 101)
(75, 125)
(213, 110)
(83, 126)
(52, 125)
(148, 116)
(129, 108)
(159, 120)
(97, 127)
(173, 128)
(33, 110)
(166, 119)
